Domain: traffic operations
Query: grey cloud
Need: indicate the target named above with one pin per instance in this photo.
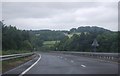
(41, 9)
(60, 15)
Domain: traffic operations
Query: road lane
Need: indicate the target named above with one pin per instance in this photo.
(94, 66)
(69, 64)
(50, 64)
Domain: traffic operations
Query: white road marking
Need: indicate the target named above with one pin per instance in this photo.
(83, 65)
(30, 66)
(72, 61)
(65, 58)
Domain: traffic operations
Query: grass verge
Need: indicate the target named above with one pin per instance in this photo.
(10, 64)
(8, 52)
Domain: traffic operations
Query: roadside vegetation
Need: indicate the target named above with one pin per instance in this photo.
(107, 40)
(8, 52)
(0, 52)
(12, 63)
(15, 41)
(77, 39)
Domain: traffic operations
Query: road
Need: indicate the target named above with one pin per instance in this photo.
(53, 63)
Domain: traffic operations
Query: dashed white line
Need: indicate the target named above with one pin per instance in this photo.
(65, 58)
(30, 66)
(72, 61)
(83, 66)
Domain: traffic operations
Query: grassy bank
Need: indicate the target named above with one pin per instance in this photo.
(4, 52)
(10, 64)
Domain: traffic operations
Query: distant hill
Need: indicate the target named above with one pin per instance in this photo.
(89, 29)
(81, 39)
(52, 35)
(48, 35)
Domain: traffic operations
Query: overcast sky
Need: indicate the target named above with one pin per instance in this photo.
(60, 15)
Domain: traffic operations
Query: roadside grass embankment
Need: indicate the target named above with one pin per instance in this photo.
(12, 63)
(8, 52)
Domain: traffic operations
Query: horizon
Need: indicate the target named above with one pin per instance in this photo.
(59, 29)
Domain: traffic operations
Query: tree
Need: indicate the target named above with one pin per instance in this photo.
(14, 39)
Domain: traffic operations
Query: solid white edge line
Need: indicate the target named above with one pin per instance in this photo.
(30, 66)
(83, 65)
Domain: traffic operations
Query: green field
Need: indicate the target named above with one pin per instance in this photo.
(70, 35)
(50, 43)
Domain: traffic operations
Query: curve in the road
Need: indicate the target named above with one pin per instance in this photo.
(30, 66)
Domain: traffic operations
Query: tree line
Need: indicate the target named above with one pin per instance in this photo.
(15, 39)
(107, 40)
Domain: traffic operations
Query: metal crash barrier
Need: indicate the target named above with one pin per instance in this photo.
(13, 56)
(106, 56)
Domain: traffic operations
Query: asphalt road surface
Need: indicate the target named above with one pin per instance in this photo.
(69, 64)
(53, 63)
